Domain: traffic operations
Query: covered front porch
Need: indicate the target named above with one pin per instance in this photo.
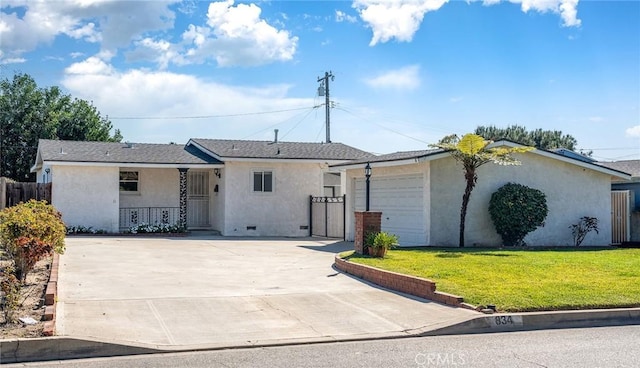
(167, 197)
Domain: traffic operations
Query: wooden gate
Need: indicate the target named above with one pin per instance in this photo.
(327, 217)
(620, 216)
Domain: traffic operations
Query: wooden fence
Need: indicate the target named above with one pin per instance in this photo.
(12, 193)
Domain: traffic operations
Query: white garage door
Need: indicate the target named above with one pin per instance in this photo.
(401, 201)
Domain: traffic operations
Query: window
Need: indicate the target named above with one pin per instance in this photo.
(129, 181)
(263, 181)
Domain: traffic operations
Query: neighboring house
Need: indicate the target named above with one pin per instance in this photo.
(236, 187)
(631, 167)
(633, 197)
(420, 193)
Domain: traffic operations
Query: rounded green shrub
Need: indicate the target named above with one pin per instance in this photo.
(516, 210)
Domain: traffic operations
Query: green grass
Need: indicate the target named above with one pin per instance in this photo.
(524, 279)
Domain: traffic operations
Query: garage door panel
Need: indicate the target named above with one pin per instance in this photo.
(401, 201)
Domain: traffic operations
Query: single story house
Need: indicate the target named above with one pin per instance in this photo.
(420, 194)
(236, 187)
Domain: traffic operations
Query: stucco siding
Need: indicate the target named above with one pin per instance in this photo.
(156, 188)
(571, 191)
(218, 200)
(86, 196)
(279, 213)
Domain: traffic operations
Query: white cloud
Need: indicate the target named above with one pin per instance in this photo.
(344, 17)
(90, 66)
(140, 92)
(12, 61)
(112, 23)
(406, 78)
(232, 36)
(401, 19)
(596, 119)
(394, 19)
(633, 132)
(242, 37)
(567, 9)
(161, 52)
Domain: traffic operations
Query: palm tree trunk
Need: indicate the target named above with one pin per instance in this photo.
(471, 178)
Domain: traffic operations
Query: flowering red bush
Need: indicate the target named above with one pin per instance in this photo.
(29, 232)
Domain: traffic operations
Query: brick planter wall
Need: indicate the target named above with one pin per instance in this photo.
(411, 285)
(366, 222)
(50, 298)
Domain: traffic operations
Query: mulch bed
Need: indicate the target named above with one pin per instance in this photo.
(31, 303)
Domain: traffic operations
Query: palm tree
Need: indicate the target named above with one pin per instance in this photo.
(472, 151)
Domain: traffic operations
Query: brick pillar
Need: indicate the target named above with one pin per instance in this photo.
(183, 197)
(366, 222)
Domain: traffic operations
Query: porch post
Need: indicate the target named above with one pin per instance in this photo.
(183, 197)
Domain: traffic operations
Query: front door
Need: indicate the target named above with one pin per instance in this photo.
(198, 199)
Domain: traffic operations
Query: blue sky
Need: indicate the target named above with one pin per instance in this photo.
(406, 73)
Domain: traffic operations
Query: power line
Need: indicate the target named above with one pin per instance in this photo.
(384, 127)
(282, 122)
(207, 116)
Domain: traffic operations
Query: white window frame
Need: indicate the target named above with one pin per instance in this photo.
(137, 181)
(262, 173)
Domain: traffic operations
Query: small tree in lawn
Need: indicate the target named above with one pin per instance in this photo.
(29, 232)
(471, 152)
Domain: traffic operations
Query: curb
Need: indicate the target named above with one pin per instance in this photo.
(51, 298)
(61, 347)
(510, 322)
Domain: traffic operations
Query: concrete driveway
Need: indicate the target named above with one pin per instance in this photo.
(213, 291)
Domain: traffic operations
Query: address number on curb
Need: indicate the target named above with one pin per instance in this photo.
(505, 321)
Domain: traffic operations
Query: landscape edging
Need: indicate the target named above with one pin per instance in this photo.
(51, 298)
(407, 284)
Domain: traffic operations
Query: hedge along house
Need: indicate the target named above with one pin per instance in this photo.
(235, 187)
(420, 194)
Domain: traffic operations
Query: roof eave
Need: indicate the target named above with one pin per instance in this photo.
(136, 164)
(205, 150)
(38, 164)
(392, 162)
(329, 161)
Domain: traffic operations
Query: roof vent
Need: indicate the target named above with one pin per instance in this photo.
(62, 152)
(107, 153)
(278, 151)
(130, 145)
(275, 138)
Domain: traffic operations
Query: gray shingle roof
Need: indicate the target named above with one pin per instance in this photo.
(109, 152)
(628, 166)
(396, 156)
(280, 150)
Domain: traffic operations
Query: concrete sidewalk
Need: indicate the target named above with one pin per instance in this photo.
(194, 291)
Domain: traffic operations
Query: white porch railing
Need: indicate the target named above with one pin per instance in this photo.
(132, 216)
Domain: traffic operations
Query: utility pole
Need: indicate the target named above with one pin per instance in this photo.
(323, 90)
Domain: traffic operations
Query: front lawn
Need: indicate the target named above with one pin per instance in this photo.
(524, 279)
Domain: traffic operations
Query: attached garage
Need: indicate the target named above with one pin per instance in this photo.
(419, 193)
(401, 201)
